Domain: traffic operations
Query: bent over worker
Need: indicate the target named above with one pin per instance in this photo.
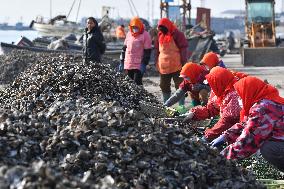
(223, 101)
(193, 77)
(261, 126)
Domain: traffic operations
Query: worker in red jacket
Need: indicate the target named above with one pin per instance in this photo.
(223, 101)
(261, 126)
(193, 83)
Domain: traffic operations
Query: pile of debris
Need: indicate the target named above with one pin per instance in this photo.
(64, 124)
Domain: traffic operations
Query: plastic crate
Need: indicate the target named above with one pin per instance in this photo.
(272, 184)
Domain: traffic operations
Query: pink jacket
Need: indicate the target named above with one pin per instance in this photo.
(135, 49)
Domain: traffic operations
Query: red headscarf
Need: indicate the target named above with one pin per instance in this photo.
(193, 71)
(210, 59)
(171, 28)
(221, 81)
(252, 90)
(138, 23)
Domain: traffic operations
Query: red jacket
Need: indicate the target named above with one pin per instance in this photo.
(229, 111)
(264, 122)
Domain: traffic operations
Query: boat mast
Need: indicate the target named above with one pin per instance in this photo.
(71, 9)
(50, 8)
(78, 10)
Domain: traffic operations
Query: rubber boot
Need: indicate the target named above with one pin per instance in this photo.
(181, 101)
(166, 96)
(194, 103)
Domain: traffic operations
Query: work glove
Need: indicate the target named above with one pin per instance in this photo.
(188, 117)
(204, 139)
(121, 67)
(217, 142)
(197, 87)
(143, 68)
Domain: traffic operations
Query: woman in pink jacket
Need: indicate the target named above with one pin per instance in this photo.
(136, 51)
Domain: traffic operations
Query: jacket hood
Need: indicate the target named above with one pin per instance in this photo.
(136, 21)
(165, 38)
(193, 71)
(210, 59)
(221, 81)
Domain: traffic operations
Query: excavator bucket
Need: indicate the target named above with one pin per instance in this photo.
(265, 56)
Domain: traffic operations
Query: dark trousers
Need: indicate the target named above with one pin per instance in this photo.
(165, 81)
(136, 75)
(273, 152)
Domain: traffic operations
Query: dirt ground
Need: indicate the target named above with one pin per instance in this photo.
(274, 75)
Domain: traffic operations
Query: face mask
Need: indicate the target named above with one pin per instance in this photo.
(163, 29)
(135, 30)
(187, 78)
(240, 102)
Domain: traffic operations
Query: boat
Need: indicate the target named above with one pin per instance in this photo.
(57, 26)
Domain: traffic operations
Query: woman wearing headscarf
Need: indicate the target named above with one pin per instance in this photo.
(192, 75)
(171, 56)
(261, 126)
(211, 60)
(136, 51)
(223, 101)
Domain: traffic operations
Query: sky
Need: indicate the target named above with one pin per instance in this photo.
(12, 11)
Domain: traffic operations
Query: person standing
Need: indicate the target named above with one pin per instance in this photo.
(93, 41)
(171, 47)
(136, 51)
(261, 126)
(120, 32)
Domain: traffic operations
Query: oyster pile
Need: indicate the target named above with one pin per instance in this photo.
(17, 61)
(64, 124)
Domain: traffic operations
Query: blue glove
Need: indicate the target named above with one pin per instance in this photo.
(143, 68)
(218, 141)
(121, 67)
(204, 139)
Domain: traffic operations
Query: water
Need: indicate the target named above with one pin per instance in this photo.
(9, 36)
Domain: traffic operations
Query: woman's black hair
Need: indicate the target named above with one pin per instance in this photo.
(94, 20)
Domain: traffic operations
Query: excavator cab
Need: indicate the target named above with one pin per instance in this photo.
(260, 24)
(261, 49)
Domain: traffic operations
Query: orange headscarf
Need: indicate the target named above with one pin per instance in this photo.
(171, 28)
(221, 81)
(193, 71)
(252, 90)
(138, 23)
(210, 59)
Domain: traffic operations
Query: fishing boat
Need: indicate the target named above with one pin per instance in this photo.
(57, 26)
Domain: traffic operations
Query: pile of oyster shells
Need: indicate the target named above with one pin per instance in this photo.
(65, 124)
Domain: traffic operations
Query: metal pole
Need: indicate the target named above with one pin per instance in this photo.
(50, 9)
(78, 10)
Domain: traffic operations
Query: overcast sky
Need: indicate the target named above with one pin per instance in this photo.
(14, 10)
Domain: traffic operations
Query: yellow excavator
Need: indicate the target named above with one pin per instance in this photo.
(261, 48)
